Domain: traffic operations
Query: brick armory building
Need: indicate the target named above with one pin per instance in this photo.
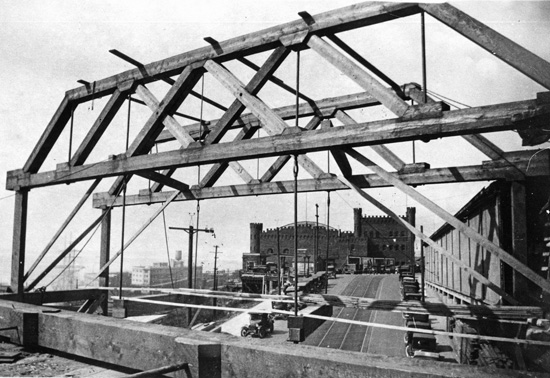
(375, 240)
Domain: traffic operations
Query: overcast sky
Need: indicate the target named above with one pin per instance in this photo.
(48, 45)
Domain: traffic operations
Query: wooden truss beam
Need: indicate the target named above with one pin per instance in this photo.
(154, 125)
(63, 226)
(49, 136)
(276, 167)
(348, 67)
(500, 117)
(101, 124)
(495, 43)
(380, 149)
(481, 240)
(335, 21)
(323, 108)
(271, 122)
(472, 272)
(491, 170)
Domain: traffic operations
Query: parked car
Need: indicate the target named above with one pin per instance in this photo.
(260, 324)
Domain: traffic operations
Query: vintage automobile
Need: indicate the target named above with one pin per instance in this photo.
(260, 324)
(421, 345)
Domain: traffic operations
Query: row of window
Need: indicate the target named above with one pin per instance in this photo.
(396, 247)
(372, 234)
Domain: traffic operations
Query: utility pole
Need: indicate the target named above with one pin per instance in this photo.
(328, 240)
(190, 230)
(215, 300)
(216, 266)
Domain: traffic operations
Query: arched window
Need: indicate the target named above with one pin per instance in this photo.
(285, 251)
(270, 251)
(377, 234)
(402, 233)
(391, 233)
(371, 234)
(391, 247)
(402, 247)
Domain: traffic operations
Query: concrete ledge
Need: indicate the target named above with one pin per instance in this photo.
(145, 346)
(116, 341)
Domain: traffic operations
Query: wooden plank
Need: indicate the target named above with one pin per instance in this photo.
(365, 63)
(276, 167)
(181, 135)
(339, 156)
(49, 136)
(164, 180)
(339, 20)
(63, 226)
(429, 241)
(495, 43)
(253, 87)
(234, 111)
(100, 125)
(322, 108)
(485, 146)
(152, 128)
(18, 241)
(134, 237)
(380, 149)
(270, 121)
(518, 202)
(538, 166)
(458, 122)
(388, 98)
(449, 218)
(62, 255)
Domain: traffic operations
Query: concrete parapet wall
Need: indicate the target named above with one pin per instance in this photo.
(145, 346)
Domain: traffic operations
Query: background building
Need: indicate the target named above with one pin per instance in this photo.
(375, 241)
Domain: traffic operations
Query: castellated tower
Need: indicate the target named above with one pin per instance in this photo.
(255, 232)
(357, 215)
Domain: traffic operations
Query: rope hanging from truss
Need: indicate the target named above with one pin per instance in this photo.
(124, 185)
(198, 184)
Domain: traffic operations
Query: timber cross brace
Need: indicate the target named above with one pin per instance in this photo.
(227, 142)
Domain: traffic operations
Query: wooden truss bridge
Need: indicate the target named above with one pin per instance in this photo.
(226, 142)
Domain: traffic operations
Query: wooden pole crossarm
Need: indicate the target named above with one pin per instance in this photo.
(430, 242)
(490, 170)
(495, 43)
(63, 226)
(64, 253)
(457, 122)
(481, 240)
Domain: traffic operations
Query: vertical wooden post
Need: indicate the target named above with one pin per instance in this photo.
(18, 244)
(104, 254)
(519, 235)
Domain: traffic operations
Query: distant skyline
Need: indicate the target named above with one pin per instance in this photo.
(47, 46)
